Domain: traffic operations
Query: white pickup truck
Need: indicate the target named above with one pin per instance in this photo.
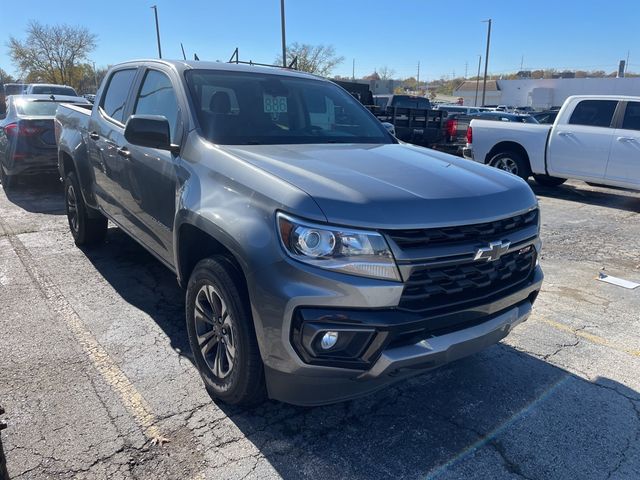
(594, 138)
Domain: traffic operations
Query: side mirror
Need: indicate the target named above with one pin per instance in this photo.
(149, 131)
(390, 128)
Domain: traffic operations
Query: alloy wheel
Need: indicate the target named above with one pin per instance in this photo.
(215, 331)
(507, 164)
(72, 208)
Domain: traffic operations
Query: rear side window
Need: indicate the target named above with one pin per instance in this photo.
(157, 97)
(632, 116)
(115, 98)
(595, 113)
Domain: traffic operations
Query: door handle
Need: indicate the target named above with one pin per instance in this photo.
(94, 136)
(626, 139)
(124, 152)
(565, 134)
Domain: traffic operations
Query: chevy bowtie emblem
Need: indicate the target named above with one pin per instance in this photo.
(493, 252)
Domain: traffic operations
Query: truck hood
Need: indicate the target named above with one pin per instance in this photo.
(392, 186)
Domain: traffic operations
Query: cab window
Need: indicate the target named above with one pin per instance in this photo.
(115, 98)
(594, 113)
(157, 97)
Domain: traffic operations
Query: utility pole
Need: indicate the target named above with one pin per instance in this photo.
(95, 76)
(522, 63)
(475, 103)
(155, 11)
(486, 62)
(284, 39)
(418, 79)
(353, 70)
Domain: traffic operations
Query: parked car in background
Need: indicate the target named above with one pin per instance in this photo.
(505, 108)
(49, 89)
(505, 117)
(594, 138)
(90, 96)
(527, 109)
(547, 117)
(14, 88)
(456, 125)
(27, 138)
(459, 109)
(322, 259)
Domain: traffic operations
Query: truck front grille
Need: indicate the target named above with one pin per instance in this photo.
(466, 284)
(481, 232)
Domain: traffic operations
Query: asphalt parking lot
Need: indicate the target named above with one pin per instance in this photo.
(97, 379)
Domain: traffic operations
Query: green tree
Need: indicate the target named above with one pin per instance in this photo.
(316, 59)
(52, 53)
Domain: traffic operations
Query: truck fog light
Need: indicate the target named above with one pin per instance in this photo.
(329, 339)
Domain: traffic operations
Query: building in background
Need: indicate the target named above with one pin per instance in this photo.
(545, 92)
(467, 91)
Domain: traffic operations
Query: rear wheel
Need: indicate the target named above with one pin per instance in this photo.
(86, 230)
(222, 335)
(549, 181)
(8, 181)
(512, 162)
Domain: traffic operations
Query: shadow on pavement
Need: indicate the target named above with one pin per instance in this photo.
(42, 194)
(618, 198)
(502, 412)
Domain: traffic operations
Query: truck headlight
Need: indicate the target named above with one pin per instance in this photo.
(346, 250)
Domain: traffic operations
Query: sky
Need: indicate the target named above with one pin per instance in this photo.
(445, 37)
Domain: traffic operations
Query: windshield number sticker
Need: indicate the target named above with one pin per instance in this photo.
(274, 104)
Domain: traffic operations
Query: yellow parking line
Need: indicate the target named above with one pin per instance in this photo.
(588, 336)
(133, 400)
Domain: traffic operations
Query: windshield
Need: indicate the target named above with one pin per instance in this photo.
(37, 108)
(236, 108)
(52, 90)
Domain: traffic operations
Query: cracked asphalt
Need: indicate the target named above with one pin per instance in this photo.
(97, 379)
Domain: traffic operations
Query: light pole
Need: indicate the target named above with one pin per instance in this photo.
(95, 76)
(475, 102)
(284, 40)
(155, 11)
(486, 61)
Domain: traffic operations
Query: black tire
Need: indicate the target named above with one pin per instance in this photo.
(548, 181)
(8, 181)
(222, 335)
(86, 230)
(512, 162)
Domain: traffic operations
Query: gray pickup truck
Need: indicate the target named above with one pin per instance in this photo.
(322, 259)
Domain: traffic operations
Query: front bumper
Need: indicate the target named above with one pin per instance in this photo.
(404, 345)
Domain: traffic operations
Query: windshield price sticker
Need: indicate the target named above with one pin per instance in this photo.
(274, 104)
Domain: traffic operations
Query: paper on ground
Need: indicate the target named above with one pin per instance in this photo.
(620, 282)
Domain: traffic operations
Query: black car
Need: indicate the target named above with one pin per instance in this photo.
(546, 117)
(27, 137)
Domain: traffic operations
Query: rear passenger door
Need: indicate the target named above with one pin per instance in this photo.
(624, 159)
(580, 147)
(151, 173)
(104, 142)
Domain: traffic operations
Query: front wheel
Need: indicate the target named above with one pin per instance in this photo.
(86, 230)
(222, 335)
(512, 162)
(548, 181)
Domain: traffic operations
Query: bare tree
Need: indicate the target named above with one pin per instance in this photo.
(317, 59)
(52, 53)
(386, 73)
(5, 77)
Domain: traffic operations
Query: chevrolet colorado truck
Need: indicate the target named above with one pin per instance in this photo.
(322, 259)
(593, 138)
